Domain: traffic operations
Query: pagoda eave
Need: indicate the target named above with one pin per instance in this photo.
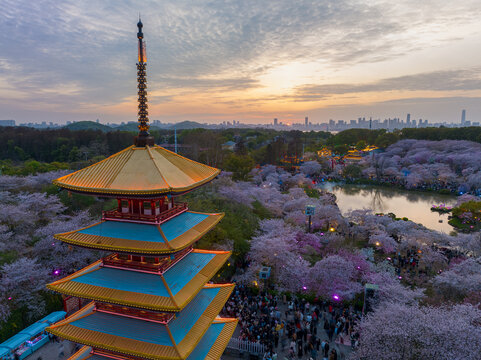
(210, 347)
(163, 246)
(101, 334)
(149, 171)
(173, 302)
(133, 194)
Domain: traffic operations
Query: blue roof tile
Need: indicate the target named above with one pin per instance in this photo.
(185, 319)
(181, 273)
(206, 343)
(136, 329)
(181, 223)
(125, 280)
(125, 230)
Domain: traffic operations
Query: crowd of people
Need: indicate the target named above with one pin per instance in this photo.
(293, 329)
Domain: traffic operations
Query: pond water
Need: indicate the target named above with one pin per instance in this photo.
(414, 205)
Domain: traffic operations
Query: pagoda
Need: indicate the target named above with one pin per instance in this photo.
(150, 296)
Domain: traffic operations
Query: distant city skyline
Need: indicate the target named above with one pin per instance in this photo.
(246, 61)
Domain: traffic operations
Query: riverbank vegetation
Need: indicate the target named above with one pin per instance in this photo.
(466, 216)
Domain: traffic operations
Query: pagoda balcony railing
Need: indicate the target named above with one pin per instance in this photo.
(163, 216)
(159, 266)
(159, 317)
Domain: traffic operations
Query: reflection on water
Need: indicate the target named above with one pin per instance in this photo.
(411, 204)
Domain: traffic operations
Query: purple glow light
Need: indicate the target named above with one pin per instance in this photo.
(389, 258)
(322, 234)
(56, 272)
(336, 297)
(9, 298)
(304, 288)
(399, 277)
(359, 268)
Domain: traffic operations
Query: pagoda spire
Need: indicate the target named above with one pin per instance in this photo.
(144, 137)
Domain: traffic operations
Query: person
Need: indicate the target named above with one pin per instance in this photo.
(299, 348)
(291, 353)
(333, 355)
(313, 351)
(326, 350)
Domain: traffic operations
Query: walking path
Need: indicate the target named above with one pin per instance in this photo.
(54, 350)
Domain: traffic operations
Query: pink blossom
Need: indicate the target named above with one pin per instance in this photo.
(398, 331)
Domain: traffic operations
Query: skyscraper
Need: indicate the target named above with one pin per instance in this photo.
(275, 121)
(408, 120)
(306, 120)
(463, 117)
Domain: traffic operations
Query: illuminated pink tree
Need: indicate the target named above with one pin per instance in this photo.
(20, 284)
(334, 275)
(396, 331)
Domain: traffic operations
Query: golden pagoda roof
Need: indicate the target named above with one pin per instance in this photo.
(139, 171)
(173, 235)
(210, 347)
(150, 340)
(170, 291)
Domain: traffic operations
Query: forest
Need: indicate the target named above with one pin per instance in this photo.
(26, 150)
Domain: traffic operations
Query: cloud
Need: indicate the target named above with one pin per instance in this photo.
(71, 53)
(451, 80)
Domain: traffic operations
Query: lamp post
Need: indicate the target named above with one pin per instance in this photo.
(310, 210)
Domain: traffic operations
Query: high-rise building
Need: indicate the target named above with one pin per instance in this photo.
(306, 121)
(275, 121)
(408, 119)
(463, 117)
(7, 122)
(150, 295)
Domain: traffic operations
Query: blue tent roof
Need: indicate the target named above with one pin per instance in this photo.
(15, 341)
(54, 317)
(4, 351)
(206, 343)
(35, 328)
(31, 331)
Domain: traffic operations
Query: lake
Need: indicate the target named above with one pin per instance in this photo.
(414, 205)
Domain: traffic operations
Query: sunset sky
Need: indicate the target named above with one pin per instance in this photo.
(251, 61)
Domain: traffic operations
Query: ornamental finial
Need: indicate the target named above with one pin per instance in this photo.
(144, 137)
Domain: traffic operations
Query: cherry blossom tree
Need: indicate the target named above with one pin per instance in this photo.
(383, 241)
(20, 284)
(396, 331)
(311, 168)
(390, 288)
(334, 275)
(58, 256)
(461, 279)
(275, 246)
(420, 163)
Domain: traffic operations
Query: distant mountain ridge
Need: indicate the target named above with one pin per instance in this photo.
(88, 125)
(188, 125)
